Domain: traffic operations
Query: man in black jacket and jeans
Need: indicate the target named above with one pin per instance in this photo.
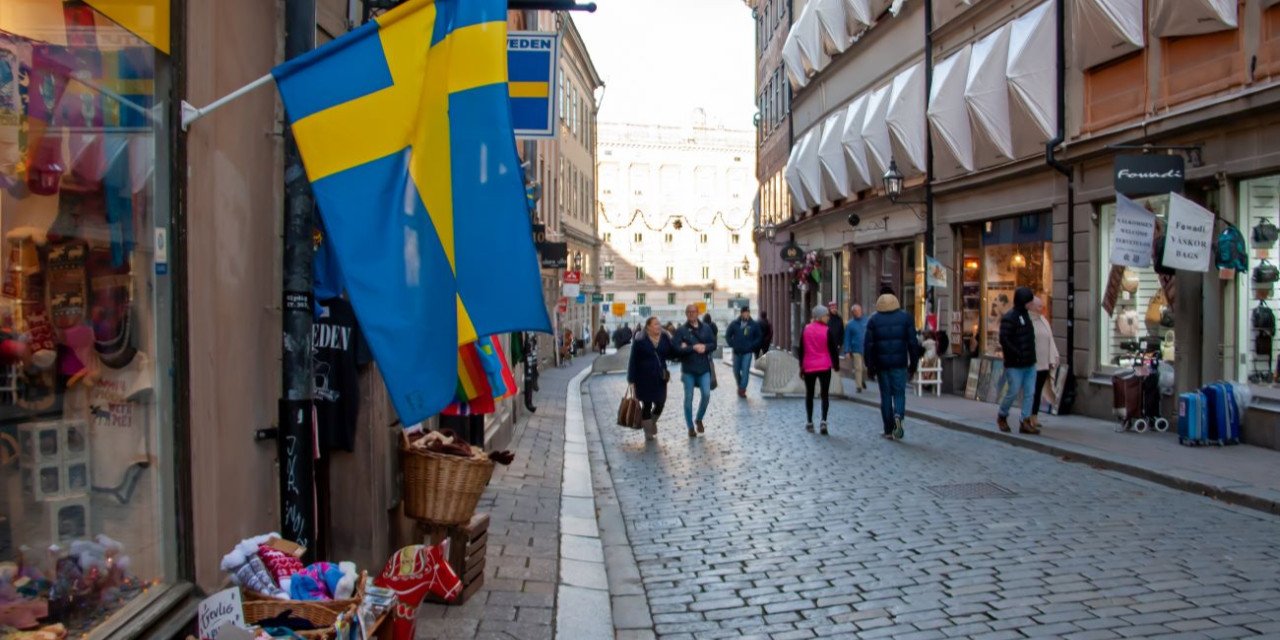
(695, 341)
(1018, 342)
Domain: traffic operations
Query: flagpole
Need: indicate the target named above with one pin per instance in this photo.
(191, 113)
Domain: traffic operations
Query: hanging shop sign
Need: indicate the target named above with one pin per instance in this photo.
(793, 253)
(619, 309)
(597, 298)
(554, 255)
(1188, 241)
(573, 277)
(531, 67)
(1133, 234)
(563, 305)
(1145, 175)
(582, 298)
(935, 273)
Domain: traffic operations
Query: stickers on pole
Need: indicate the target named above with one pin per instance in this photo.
(1133, 234)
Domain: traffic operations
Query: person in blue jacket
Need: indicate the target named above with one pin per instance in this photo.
(891, 348)
(743, 337)
(855, 333)
(647, 373)
(695, 341)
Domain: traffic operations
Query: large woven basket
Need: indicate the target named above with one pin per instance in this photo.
(443, 489)
(317, 613)
(336, 606)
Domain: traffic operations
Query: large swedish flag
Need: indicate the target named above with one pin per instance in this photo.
(405, 130)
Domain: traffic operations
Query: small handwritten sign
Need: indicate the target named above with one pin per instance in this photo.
(223, 607)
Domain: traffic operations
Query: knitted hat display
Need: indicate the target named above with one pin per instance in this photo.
(412, 573)
(280, 564)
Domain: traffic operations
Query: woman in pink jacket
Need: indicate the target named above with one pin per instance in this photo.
(815, 364)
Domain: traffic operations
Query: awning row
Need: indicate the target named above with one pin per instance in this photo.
(852, 148)
(1108, 29)
(823, 29)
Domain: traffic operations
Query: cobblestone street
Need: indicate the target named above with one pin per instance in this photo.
(761, 529)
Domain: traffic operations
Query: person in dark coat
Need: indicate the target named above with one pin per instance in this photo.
(1018, 344)
(695, 341)
(601, 342)
(766, 334)
(622, 336)
(835, 335)
(743, 336)
(648, 375)
(891, 348)
(715, 328)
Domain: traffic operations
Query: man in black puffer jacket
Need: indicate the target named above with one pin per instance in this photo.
(1018, 342)
(891, 348)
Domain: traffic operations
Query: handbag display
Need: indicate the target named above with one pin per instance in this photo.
(1263, 319)
(1130, 281)
(1266, 273)
(1167, 347)
(629, 411)
(1265, 234)
(1155, 308)
(1127, 324)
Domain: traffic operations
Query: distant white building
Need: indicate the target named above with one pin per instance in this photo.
(675, 219)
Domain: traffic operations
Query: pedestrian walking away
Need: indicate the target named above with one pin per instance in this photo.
(835, 335)
(891, 349)
(601, 342)
(648, 375)
(695, 341)
(1018, 343)
(622, 336)
(815, 364)
(855, 333)
(1047, 357)
(743, 337)
(766, 334)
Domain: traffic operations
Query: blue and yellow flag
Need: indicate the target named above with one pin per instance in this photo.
(405, 129)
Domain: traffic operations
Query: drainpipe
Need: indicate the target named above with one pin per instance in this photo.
(928, 146)
(1052, 160)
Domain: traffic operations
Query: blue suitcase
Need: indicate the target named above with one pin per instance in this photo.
(1192, 418)
(1224, 416)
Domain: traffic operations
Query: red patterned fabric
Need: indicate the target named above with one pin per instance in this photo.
(412, 573)
(280, 564)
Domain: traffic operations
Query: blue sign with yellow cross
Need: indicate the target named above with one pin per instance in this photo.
(532, 63)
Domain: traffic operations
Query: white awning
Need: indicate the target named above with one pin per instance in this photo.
(1192, 17)
(1105, 30)
(835, 169)
(906, 117)
(811, 166)
(1032, 67)
(858, 16)
(947, 111)
(809, 36)
(875, 132)
(855, 147)
(793, 60)
(799, 200)
(832, 25)
(986, 91)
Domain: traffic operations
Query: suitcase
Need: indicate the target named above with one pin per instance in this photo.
(1224, 414)
(1192, 418)
(1126, 400)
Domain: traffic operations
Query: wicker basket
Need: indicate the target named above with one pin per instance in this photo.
(443, 489)
(317, 613)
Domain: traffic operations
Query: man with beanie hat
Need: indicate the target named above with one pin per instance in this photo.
(1018, 343)
(890, 349)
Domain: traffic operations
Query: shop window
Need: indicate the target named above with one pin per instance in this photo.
(668, 238)
(1269, 46)
(671, 273)
(1135, 324)
(1195, 66)
(1259, 207)
(608, 237)
(1115, 92)
(83, 355)
(998, 257)
(608, 297)
(706, 272)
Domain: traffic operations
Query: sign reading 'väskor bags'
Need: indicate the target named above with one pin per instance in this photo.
(1145, 175)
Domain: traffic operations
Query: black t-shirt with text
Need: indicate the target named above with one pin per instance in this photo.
(338, 352)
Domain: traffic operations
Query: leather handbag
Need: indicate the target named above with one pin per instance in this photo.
(629, 411)
(1155, 308)
(1265, 234)
(1266, 273)
(1130, 281)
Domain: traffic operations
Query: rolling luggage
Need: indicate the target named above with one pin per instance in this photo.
(1126, 404)
(1192, 418)
(1224, 414)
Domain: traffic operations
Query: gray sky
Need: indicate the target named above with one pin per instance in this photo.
(661, 59)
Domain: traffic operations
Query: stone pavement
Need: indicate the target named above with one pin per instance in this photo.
(1244, 474)
(760, 529)
(523, 558)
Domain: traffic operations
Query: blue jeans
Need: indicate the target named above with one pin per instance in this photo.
(703, 382)
(742, 369)
(893, 396)
(1021, 381)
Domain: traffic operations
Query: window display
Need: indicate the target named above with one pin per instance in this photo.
(1142, 321)
(997, 257)
(1255, 290)
(82, 501)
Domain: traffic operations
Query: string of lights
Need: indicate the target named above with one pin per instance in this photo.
(676, 221)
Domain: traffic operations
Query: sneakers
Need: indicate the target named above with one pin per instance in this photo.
(693, 434)
(809, 427)
(701, 429)
(823, 428)
(1028, 426)
(898, 432)
(1003, 423)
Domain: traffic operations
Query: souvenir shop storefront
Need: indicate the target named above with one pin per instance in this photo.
(996, 258)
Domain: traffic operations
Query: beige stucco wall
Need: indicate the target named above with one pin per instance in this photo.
(233, 201)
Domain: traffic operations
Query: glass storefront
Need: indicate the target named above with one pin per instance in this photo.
(1142, 319)
(86, 509)
(996, 258)
(898, 266)
(1259, 213)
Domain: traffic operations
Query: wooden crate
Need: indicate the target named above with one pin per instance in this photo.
(467, 545)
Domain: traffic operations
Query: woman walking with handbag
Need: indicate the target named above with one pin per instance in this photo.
(648, 375)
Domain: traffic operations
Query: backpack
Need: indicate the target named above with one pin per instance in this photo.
(1264, 320)
(1232, 253)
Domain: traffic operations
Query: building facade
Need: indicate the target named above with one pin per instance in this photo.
(675, 220)
(1012, 127)
(566, 171)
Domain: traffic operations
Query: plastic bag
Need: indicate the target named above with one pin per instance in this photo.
(1165, 372)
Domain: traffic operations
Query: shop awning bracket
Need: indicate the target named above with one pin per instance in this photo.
(269, 433)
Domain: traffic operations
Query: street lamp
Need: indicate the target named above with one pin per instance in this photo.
(893, 181)
(746, 265)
